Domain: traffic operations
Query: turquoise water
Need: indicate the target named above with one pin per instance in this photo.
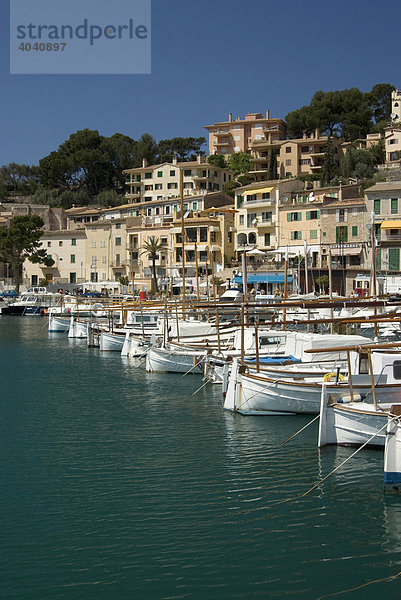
(117, 484)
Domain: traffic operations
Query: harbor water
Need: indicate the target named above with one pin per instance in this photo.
(119, 484)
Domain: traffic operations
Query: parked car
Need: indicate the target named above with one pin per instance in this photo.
(9, 294)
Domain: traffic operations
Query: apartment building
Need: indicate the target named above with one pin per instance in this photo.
(209, 239)
(228, 137)
(106, 250)
(257, 214)
(294, 157)
(384, 200)
(68, 250)
(157, 183)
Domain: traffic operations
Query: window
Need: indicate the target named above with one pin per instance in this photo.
(186, 206)
(148, 175)
(148, 188)
(354, 261)
(288, 162)
(163, 240)
(312, 214)
(118, 241)
(138, 178)
(160, 173)
(60, 243)
(104, 260)
(203, 234)
(157, 210)
(393, 259)
(172, 173)
(250, 218)
(213, 237)
(313, 234)
(241, 219)
(230, 237)
(304, 149)
(296, 235)
(187, 172)
(118, 225)
(394, 206)
(72, 258)
(103, 244)
(167, 210)
(172, 186)
(265, 196)
(117, 260)
(267, 239)
(73, 241)
(342, 233)
(73, 278)
(288, 149)
(376, 206)
(294, 216)
(49, 244)
(93, 244)
(354, 230)
(267, 217)
(158, 186)
(393, 141)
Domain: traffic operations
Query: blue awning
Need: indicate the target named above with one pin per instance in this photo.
(263, 278)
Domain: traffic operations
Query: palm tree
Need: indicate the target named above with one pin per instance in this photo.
(152, 247)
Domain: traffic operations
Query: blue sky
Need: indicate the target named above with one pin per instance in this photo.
(209, 58)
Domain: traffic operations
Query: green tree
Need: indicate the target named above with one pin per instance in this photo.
(146, 148)
(123, 155)
(379, 99)
(151, 248)
(239, 163)
(272, 170)
(299, 122)
(20, 241)
(184, 149)
(217, 160)
(230, 186)
(329, 168)
(22, 179)
(82, 161)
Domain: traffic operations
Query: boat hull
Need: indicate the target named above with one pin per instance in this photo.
(160, 360)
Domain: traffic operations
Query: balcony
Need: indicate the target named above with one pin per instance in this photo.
(264, 224)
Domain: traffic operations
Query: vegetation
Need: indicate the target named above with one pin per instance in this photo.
(152, 247)
(350, 114)
(239, 163)
(217, 160)
(20, 241)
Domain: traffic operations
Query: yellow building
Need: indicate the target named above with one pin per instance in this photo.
(228, 137)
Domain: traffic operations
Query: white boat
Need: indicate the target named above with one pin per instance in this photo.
(77, 329)
(355, 419)
(392, 451)
(111, 341)
(256, 394)
(58, 324)
(162, 360)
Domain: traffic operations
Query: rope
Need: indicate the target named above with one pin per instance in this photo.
(359, 587)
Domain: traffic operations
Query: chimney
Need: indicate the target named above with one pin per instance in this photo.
(304, 135)
(144, 163)
(267, 114)
(317, 134)
(174, 159)
(230, 117)
(199, 159)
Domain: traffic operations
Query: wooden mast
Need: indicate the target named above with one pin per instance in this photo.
(182, 241)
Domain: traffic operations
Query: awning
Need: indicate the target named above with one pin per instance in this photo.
(266, 190)
(391, 225)
(263, 278)
(346, 251)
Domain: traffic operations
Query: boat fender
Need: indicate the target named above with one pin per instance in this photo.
(329, 376)
(347, 399)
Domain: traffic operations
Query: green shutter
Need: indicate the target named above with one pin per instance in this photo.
(354, 230)
(288, 216)
(394, 259)
(292, 235)
(318, 214)
(308, 215)
(299, 216)
(378, 259)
